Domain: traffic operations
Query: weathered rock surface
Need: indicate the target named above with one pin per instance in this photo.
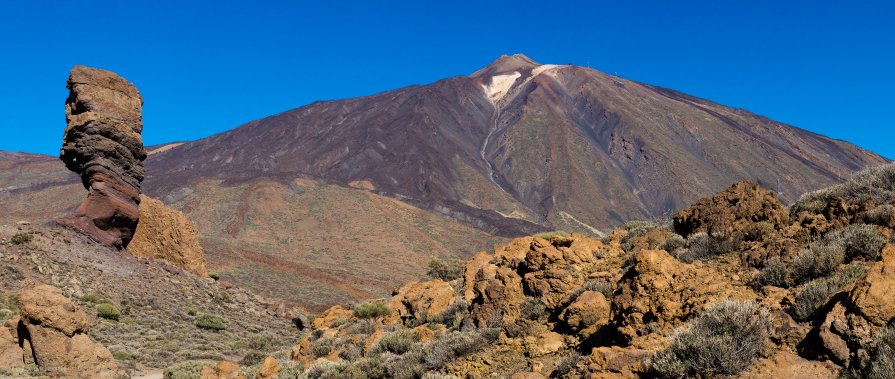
(732, 211)
(873, 296)
(785, 364)
(56, 331)
(660, 292)
(223, 370)
(166, 234)
(102, 144)
(423, 300)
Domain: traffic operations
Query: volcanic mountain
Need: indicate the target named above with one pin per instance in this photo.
(348, 198)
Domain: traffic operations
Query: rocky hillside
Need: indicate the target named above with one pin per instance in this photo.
(146, 313)
(737, 285)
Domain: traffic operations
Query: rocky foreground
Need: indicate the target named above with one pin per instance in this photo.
(737, 285)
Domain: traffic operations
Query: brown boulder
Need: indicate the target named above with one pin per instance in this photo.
(587, 313)
(496, 293)
(55, 330)
(166, 234)
(660, 292)
(616, 362)
(732, 211)
(223, 370)
(423, 300)
(102, 144)
(11, 354)
(270, 369)
(872, 296)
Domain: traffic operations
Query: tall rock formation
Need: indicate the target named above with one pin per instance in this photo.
(102, 144)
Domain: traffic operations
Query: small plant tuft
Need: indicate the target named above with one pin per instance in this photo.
(371, 309)
(21, 238)
(211, 322)
(108, 311)
(446, 270)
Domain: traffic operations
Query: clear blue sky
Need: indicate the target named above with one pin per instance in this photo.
(205, 67)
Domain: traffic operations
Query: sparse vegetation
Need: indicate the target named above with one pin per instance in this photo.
(758, 231)
(108, 311)
(551, 235)
(703, 247)
(371, 309)
(774, 273)
(671, 244)
(211, 322)
(533, 309)
(8, 308)
(398, 342)
(446, 270)
(860, 241)
(819, 261)
(814, 294)
(93, 299)
(186, 369)
(214, 275)
(723, 341)
(21, 238)
(881, 357)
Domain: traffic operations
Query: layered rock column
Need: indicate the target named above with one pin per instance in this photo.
(102, 144)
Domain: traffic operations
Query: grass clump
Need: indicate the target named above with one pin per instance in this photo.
(211, 322)
(398, 342)
(214, 275)
(533, 309)
(108, 311)
(8, 307)
(371, 309)
(723, 341)
(446, 270)
(21, 238)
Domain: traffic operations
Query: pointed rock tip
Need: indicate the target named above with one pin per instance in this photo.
(507, 63)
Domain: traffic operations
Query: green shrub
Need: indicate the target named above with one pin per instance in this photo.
(398, 342)
(758, 231)
(671, 244)
(214, 275)
(881, 357)
(446, 270)
(186, 369)
(859, 241)
(21, 238)
(211, 322)
(815, 293)
(192, 311)
(881, 215)
(819, 261)
(876, 182)
(335, 370)
(723, 341)
(813, 206)
(551, 235)
(774, 273)
(533, 309)
(322, 347)
(108, 311)
(371, 309)
(93, 299)
(566, 366)
(703, 247)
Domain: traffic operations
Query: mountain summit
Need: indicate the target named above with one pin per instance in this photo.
(518, 147)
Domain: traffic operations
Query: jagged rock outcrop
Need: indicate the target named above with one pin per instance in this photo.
(102, 144)
(732, 211)
(423, 300)
(55, 329)
(166, 234)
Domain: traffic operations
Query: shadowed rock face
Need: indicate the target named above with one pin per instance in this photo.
(102, 144)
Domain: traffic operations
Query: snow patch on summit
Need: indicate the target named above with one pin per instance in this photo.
(500, 85)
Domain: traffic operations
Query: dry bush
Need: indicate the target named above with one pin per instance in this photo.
(722, 341)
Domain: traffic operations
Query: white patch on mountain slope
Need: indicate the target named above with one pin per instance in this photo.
(500, 85)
